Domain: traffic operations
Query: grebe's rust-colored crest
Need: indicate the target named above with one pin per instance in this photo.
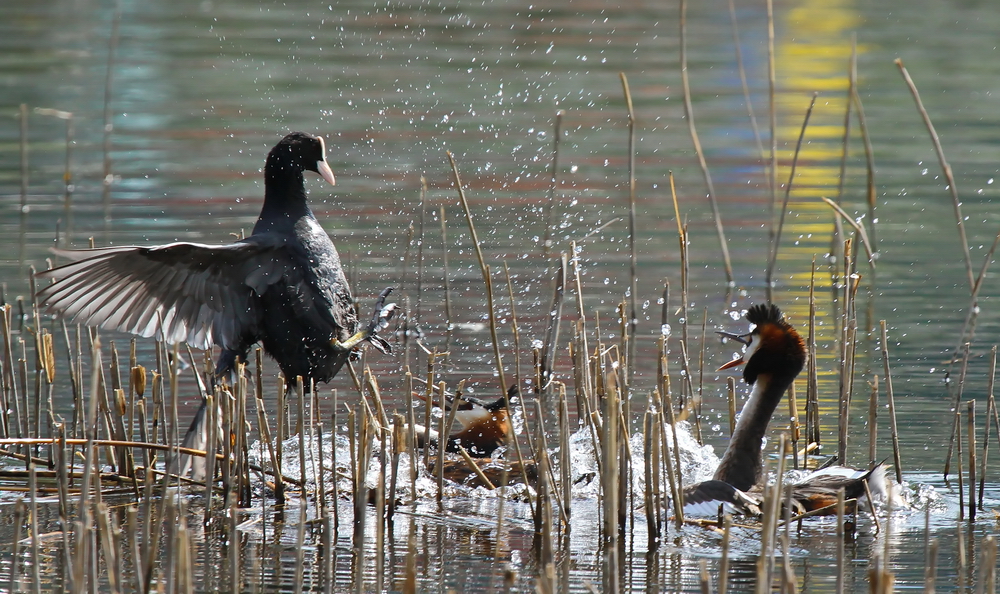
(773, 347)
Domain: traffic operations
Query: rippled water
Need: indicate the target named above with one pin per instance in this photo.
(201, 90)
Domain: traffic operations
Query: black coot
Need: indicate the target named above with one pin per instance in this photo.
(282, 286)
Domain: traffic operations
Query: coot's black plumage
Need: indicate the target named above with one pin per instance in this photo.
(282, 286)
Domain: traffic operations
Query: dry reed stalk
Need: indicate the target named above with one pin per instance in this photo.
(946, 169)
(23, 410)
(868, 494)
(991, 414)
(689, 116)
(890, 396)
(421, 240)
(399, 445)
(443, 425)
(475, 468)
(585, 382)
(609, 475)
(958, 457)
(404, 273)
(565, 473)
(971, 434)
(361, 433)
(844, 416)
(500, 514)
(446, 278)
(372, 384)
(865, 242)
(265, 436)
(62, 481)
(650, 499)
(777, 494)
(969, 328)
(428, 399)
(701, 368)
(513, 325)
(727, 527)
(846, 363)
(873, 421)
(690, 406)
(954, 406)
(174, 425)
(223, 433)
(543, 523)
(673, 466)
(517, 379)
(775, 244)
(550, 344)
(281, 426)
(211, 426)
(241, 430)
(633, 313)
(158, 425)
(320, 470)
(683, 241)
(484, 269)
(553, 187)
(411, 437)
(769, 506)
(788, 583)
(793, 422)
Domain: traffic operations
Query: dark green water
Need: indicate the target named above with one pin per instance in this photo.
(201, 90)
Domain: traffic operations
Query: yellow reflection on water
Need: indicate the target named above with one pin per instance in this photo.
(812, 55)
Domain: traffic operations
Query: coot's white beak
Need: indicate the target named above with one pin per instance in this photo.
(325, 171)
(321, 165)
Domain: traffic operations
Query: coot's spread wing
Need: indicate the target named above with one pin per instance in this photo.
(180, 292)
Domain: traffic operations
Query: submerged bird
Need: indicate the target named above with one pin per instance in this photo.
(819, 489)
(773, 357)
(484, 426)
(283, 286)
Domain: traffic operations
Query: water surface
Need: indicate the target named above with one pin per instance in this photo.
(201, 90)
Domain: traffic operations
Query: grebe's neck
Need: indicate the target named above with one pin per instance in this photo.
(742, 464)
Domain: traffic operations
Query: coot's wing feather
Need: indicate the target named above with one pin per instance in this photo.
(180, 292)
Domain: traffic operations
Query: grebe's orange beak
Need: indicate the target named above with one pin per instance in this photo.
(738, 338)
(733, 363)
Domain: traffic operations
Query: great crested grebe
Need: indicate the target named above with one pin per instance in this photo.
(282, 286)
(774, 355)
(483, 426)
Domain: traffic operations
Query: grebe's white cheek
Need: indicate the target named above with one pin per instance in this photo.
(752, 347)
